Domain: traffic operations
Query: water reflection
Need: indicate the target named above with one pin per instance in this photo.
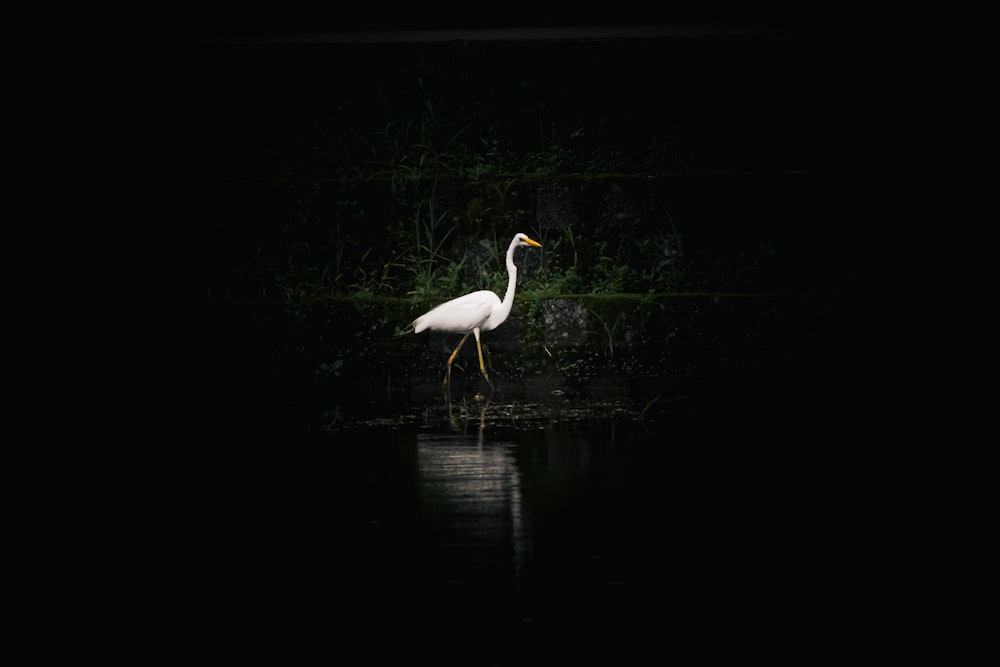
(529, 534)
(453, 421)
(579, 536)
(545, 528)
(472, 508)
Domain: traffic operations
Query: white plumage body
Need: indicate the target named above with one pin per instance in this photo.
(462, 315)
(475, 312)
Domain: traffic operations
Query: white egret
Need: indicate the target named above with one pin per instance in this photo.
(474, 313)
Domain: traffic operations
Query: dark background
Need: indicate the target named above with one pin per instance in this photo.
(758, 114)
(750, 99)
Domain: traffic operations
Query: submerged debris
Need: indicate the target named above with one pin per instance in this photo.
(512, 414)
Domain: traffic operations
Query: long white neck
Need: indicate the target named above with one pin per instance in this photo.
(508, 297)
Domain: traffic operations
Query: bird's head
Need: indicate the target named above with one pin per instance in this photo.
(523, 240)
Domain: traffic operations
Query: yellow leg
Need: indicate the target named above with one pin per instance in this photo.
(447, 378)
(482, 366)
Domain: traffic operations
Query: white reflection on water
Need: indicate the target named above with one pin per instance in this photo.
(472, 508)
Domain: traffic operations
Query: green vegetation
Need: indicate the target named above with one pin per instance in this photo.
(424, 205)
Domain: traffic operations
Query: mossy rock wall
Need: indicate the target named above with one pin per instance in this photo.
(600, 234)
(349, 355)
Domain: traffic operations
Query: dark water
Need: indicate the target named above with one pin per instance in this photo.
(521, 537)
(520, 542)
